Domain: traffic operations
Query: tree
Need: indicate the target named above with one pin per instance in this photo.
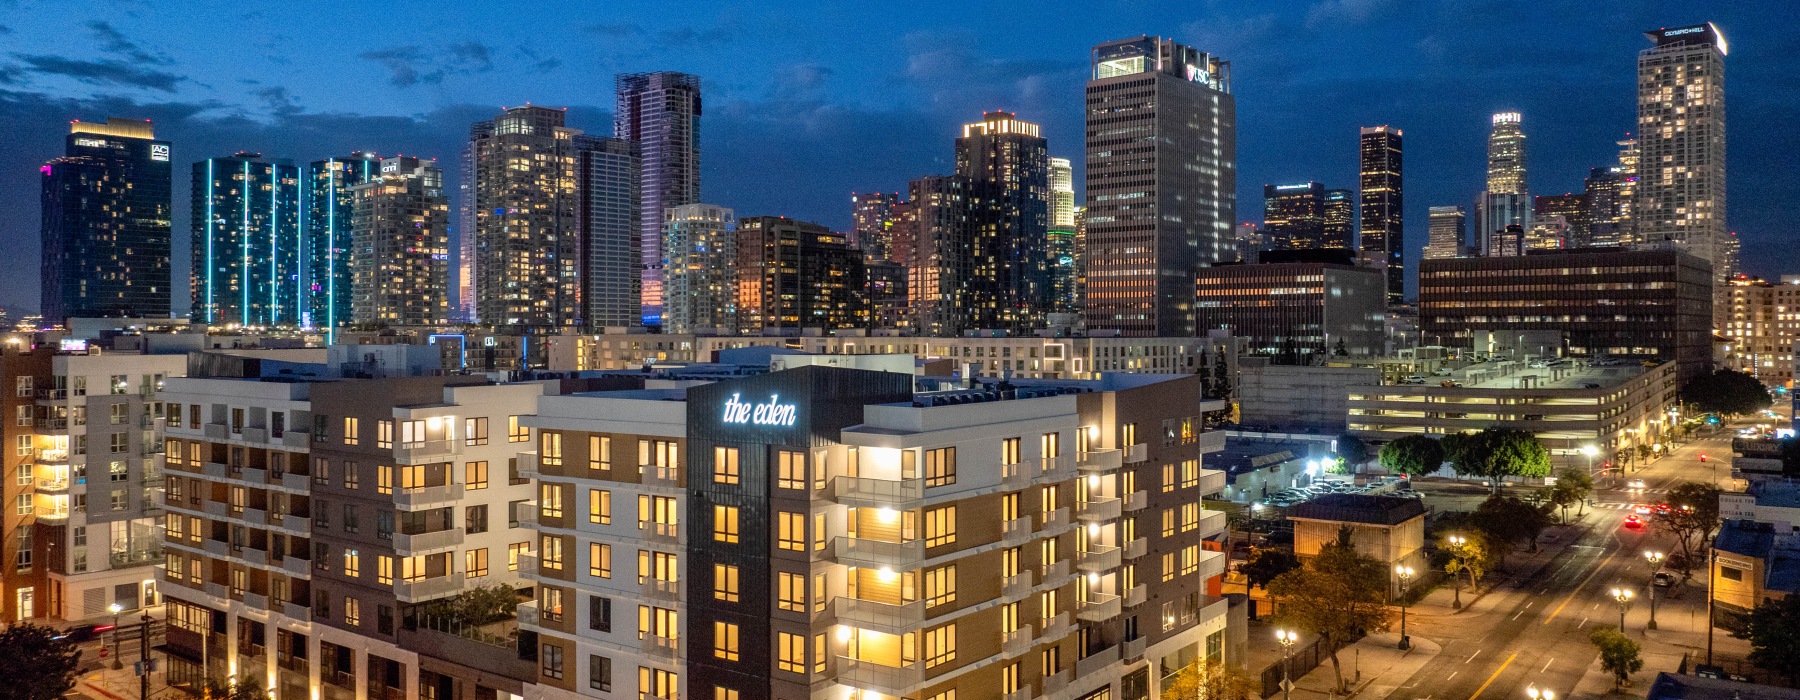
(478, 606)
(1474, 557)
(35, 664)
(236, 689)
(1774, 634)
(1509, 519)
(1496, 453)
(1268, 564)
(1692, 517)
(1339, 350)
(1413, 455)
(1338, 594)
(1212, 681)
(1618, 654)
(1728, 392)
(1352, 449)
(1221, 382)
(1580, 484)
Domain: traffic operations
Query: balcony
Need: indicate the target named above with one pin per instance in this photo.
(876, 493)
(1136, 501)
(876, 553)
(656, 475)
(1136, 453)
(1100, 460)
(296, 611)
(1059, 516)
(1057, 574)
(426, 542)
(1212, 522)
(1133, 650)
(1020, 694)
(1211, 481)
(1098, 558)
(1015, 531)
(217, 431)
(1057, 682)
(256, 435)
(254, 601)
(529, 564)
(1211, 441)
(891, 680)
(660, 647)
(297, 439)
(881, 617)
(1101, 509)
(254, 475)
(296, 566)
(665, 533)
(1014, 476)
(296, 482)
(528, 466)
(1097, 662)
(1056, 468)
(1137, 548)
(57, 481)
(429, 588)
(1016, 642)
(1055, 627)
(653, 587)
(420, 497)
(219, 549)
(425, 451)
(1017, 586)
(1099, 607)
(528, 614)
(51, 455)
(53, 394)
(1136, 595)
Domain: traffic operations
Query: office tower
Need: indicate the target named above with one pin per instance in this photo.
(1161, 182)
(1007, 164)
(1605, 216)
(794, 275)
(758, 581)
(465, 225)
(1249, 240)
(1497, 215)
(700, 244)
(329, 238)
(1549, 232)
(1628, 191)
(937, 259)
(1573, 210)
(1294, 216)
(660, 112)
(1383, 239)
(1506, 155)
(872, 216)
(1297, 306)
(1446, 235)
(1064, 250)
(247, 243)
(887, 294)
(400, 258)
(1639, 304)
(106, 232)
(1081, 259)
(1680, 194)
(528, 240)
(1340, 219)
(611, 257)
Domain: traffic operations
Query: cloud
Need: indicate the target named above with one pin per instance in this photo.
(473, 54)
(5, 29)
(104, 72)
(279, 101)
(538, 63)
(115, 42)
(410, 65)
(725, 32)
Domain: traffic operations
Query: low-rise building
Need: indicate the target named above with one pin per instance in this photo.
(1753, 563)
(1388, 528)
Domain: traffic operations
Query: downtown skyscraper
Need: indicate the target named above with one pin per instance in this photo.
(1505, 206)
(1007, 164)
(247, 242)
(400, 254)
(607, 171)
(1064, 252)
(1161, 128)
(1294, 215)
(527, 212)
(660, 113)
(329, 239)
(1383, 241)
(106, 230)
(700, 243)
(1444, 237)
(1340, 219)
(1680, 188)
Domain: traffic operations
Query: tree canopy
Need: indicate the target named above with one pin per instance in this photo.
(1774, 634)
(1338, 594)
(1496, 453)
(1266, 564)
(1572, 488)
(1200, 679)
(1352, 449)
(1413, 455)
(1692, 517)
(35, 664)
(1618, 653)
(1511, 520)
(1726, 391)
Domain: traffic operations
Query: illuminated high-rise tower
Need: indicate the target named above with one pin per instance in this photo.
(1007, 164)
(1064, 253)
(328, 236)
(1680, 189)
(1383, 239)
(660, 112)
(1340, 219)
(1161, 183)
(1506, 155)
(400, 254)
(246, 242)
(527, 212)
(106, 232)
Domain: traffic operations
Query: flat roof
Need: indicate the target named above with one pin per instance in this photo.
(1571, 376)
(1361, 508)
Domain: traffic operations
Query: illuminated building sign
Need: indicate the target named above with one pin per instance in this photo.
(772, 413)
(159, 151)
(1684, 30)
(91, 143)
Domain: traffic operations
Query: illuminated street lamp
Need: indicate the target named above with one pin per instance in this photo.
(115, 608)
(1457, 542)
(1624, 596)
(1405, 573)
(1656, 559)
(1287, 638)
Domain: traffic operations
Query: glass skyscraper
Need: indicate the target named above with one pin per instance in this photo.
(660, 112)
(1007, 164)
(106, 230)
(1383, 241)
(329, 238)
(1680, 188)
(246, 242)
(399, 258)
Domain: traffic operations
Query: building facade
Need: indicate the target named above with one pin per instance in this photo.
(400, 263)
(794, 275)
(330, 238)
(1294, 216)
(1296, 311)
(873, 218)
(1007, 164)
(611, 256)
(1506, 155)
(527, 213)
(246, 242)
(1340, 219)
(660, 113)
(1575, 213)
(1680, 188)
(1446, 235)
(106, 232)
(937, 253)
(1383, 240)
(1161, 183)
(1761, 327)
(700, 242)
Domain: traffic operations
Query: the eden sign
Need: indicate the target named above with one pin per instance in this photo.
(772, 413)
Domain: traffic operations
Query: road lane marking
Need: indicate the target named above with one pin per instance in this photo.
(1584, 622)
(1517, 614)
(1490, 680)
(1547, 665)
(1579, 586)
(1472, 656)
(1452, 675)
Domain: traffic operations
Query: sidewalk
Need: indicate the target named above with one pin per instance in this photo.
(1373, 667)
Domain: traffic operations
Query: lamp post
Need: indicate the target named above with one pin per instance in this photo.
(1535, 694)
(1286, 638)
(1589, 451)
(115, 608)
(1405, 573)
(1456, 545)
(1623, 595)
(1655, 558)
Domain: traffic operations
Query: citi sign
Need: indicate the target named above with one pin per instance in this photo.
(772, 413)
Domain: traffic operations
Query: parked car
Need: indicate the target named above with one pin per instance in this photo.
(1663, 579)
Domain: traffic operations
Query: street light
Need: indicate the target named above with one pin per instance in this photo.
(1589, 451)
(1456, 543)
(1623, 595)
(1405, 573)
(115, 608)
(1286, 638)
(1535, 694)
(1656, 559)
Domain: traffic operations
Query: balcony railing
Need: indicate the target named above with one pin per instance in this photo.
(51, 455)
(427, 496)
(851, 490)
(892, 680)
(1099, 607)
(659, 475)
(1136, 453)
(1016, 586)
(1096, 662)
(1016, 530)
(1059, 516)
(1136, 595)
(429, 588)
(668, 533)
(1100, 509)
(1134, 649)
(662, 647)
(1016, 642)
(528, 465)
(58, 481)
(135, 557)
(1136, 501)
(654, 587)
(1055, 627)
(425, 450)
(424, 542)
(1137, 548)
(881, 617)
(53, 511)
(1100, 460)
(1098, 558)
(877, 553)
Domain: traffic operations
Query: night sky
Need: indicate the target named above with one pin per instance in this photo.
(807, 102)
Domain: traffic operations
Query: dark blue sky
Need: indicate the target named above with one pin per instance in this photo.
(806, 102)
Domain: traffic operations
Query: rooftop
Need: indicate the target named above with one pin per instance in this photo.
(1781, 493)
(1361, 508)
(1669, 686)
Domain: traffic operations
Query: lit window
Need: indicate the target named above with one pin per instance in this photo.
(940, 466)
(599, 507)
(600, 452)
(940, 586)
(725, 641)
(790, 652)
(725, 524)
(725, 465)
(940, 646)
(791, 469)
(790, 591)
(725, 583)
(940, 526)
(790, 532)
(599, 560)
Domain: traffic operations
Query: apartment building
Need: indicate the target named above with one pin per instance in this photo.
(1028, 357)
(317, 525)
(808, 533)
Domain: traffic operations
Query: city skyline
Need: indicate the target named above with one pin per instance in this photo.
(1041, 85)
